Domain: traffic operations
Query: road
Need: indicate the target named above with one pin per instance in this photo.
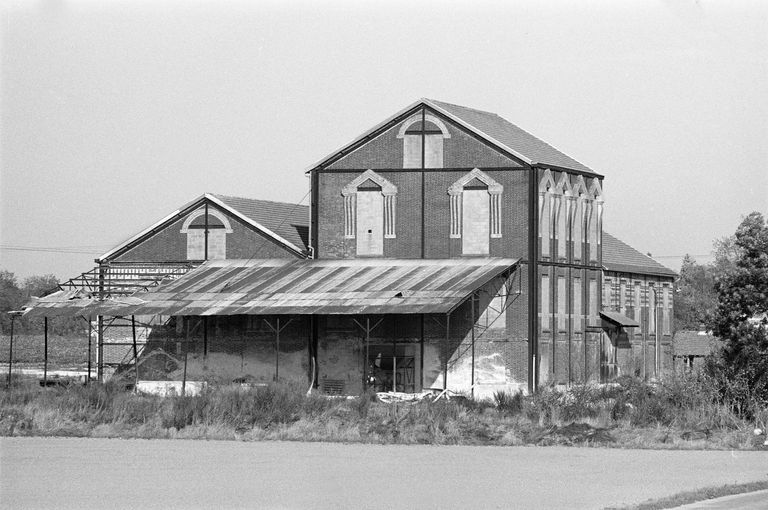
(114, 473)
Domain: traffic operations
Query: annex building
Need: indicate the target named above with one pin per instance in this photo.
(444, 248)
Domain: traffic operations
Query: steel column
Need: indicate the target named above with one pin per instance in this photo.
(10, 355)
(45, 351)
(472, 305)
(445, 349)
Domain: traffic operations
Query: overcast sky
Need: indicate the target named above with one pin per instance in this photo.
(113, 114)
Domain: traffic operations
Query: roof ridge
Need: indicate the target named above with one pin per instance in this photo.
(462, 106)
(220, 196)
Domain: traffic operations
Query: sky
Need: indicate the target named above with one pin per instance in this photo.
(115, 113)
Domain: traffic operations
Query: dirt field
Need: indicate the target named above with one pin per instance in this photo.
(100, 473)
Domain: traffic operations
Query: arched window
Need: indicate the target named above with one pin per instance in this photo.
(210, 243)
(562, 211)
(595, 223)
(475, 211)
(546, 212)
(369, 212)
(433, 131)
(579, 216)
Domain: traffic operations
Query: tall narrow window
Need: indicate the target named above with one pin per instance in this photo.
(623, 297)
(433, 131)
(546, 316)
(562, 226)
(593, 302)
(666, 311)
(545, 222)
(561, 303)
(577, 228)
(206, 240)
(369, 212)
(651, 310)
(638, 302)
(595, 224)
(475, 211)
(578, 312)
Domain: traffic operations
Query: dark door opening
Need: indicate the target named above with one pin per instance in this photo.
(391, 368)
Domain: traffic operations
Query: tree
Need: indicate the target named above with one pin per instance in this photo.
(11, 298)
(695, 298)
(742, 293)
(39, 286)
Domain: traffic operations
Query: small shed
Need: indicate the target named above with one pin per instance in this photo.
(690, 348)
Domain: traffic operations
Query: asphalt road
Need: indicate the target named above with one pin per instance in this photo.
(112, 473)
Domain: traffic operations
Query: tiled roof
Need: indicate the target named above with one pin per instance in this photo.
(621, 257)
(694, 343)
(522, 142)
(290, 221)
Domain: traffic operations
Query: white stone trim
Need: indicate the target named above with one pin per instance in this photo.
(455, 191)
(200, 212)
(413, 119)
(387, 188)
(349, 192)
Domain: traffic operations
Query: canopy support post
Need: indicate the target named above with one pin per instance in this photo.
(90, 347)
(135, 355)
(10, 356)
(472, 381)
(45, 351)
(445, 350)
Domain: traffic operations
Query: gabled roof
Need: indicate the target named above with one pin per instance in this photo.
(622, 258)
(288, 224)
(290, 221)
(694, 343)
(489, 126)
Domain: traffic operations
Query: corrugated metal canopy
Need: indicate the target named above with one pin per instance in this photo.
(76, 302)
(619, 319)
(326, 287)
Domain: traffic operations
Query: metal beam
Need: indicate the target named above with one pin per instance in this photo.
(45, 352)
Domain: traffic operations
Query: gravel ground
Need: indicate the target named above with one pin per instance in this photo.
(101, 473)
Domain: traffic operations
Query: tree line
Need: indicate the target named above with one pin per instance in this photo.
(14, 294)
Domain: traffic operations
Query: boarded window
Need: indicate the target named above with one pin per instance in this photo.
(475, 234)
(370, 223)
(217, 227)
(433, 136)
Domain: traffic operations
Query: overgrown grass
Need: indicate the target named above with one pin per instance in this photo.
(680, 413)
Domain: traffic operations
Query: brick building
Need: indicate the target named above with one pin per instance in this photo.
(447, 249)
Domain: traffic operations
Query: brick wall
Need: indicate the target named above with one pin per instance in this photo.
(460, 150)
(639, 358)
(169, 244)
(437, 241)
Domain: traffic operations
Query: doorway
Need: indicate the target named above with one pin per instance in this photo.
(392, 367)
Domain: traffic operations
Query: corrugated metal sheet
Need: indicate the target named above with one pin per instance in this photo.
(619, 319)
(326, 287)
(69, 303)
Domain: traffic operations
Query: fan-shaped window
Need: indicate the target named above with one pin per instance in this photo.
(206, 239)
(475, 211)
(432, 131)
(369, 212)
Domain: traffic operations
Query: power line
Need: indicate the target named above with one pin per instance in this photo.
(51, 249)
